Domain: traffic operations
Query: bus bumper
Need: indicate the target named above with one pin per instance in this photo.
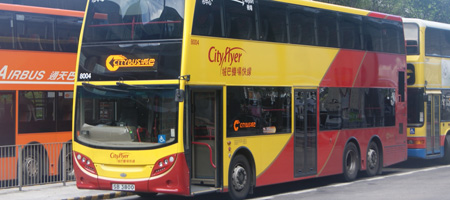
(422, 153)
(175, 181)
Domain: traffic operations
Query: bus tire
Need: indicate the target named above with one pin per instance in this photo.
(373, 159)
(32, 166)
(351, 162)
(239, 178)
(70, 174)
(446, 158)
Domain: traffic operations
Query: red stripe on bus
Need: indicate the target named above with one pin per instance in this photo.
(41, 10)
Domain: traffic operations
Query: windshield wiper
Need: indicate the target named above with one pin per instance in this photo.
(139, 87)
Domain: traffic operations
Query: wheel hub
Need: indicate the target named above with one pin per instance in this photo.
(372, 157)
(239, 178)
(31, 167)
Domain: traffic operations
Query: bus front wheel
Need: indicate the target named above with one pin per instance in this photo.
(446, 158)
(239, 178)
(351, 162)
(32, 166)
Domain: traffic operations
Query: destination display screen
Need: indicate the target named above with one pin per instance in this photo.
(110, 62)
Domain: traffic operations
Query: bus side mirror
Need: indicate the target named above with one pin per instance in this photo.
(179, 95)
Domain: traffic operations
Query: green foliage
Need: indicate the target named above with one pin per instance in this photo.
(433, 10)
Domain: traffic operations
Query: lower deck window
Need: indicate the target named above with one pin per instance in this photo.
(344, 108)
(258, 110)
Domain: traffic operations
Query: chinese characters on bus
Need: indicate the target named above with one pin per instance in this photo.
(35, 75)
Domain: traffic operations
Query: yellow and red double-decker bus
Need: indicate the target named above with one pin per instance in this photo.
(38, 44)
(428, 49)
(186, 97)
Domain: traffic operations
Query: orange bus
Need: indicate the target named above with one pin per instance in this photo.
(38, 44)
(192, 96)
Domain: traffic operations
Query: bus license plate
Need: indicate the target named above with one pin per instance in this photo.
(123, 187)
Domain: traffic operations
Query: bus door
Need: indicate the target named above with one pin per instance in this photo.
(305, 134)
(204, 131)
(433, 128)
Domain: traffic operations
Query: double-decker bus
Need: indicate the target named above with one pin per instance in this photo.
(38, 43)
(428, 64)
(186, 97)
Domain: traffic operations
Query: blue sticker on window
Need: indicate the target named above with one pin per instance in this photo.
(161, 138)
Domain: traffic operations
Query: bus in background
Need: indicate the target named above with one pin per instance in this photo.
(428, 49)
(192, 96)
(38, 44)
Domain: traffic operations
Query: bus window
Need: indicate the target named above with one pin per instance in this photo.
(68, 29)
(415, 106)
(412, 38)
(6, 32)
(347, 108)
(64, 111)
(446, 43)
(433, 42)
(273, 22)
(327, 29)
(393, 41)
(445, 110)
(302, 26)
(207, 20)
(258, 110)
(143, 20)
(350, 31)
(35, 32)
(240, 20)
(127, 117)
(37, 111)
(372, 34)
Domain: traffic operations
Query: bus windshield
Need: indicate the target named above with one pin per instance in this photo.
(113, 20)
(126, 116)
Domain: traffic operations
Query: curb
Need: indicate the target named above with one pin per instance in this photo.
(103, 196)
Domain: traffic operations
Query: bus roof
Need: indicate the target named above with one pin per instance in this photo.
(41, 10)
(426, 23)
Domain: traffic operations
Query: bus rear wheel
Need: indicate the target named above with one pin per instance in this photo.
(373, 157)
(239, 178)
(351, 162)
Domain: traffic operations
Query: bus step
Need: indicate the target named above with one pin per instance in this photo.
(196, 189)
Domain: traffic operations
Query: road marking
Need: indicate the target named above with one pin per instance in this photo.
(341, 184)
(349, 183)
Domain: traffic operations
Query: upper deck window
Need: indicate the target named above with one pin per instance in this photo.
(437, 42)
(134, 20)
(412, 38)
(240, 20)
(281, 22)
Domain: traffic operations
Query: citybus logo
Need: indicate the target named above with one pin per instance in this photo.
(230, 55)
(237, 125)
(122, 157)
(119, 155)
(114, 62)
